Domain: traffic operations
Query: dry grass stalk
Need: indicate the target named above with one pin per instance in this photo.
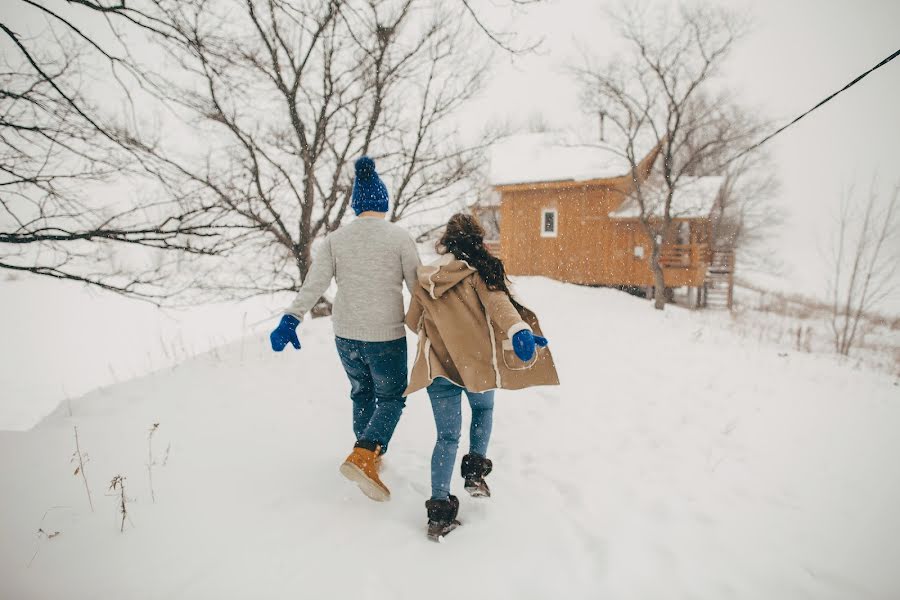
(43, 534)
(117, 484)
(82, 459)
(150, 461)
(165, 460)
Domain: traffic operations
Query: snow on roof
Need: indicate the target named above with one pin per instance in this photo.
(538, 157)
(694, 198)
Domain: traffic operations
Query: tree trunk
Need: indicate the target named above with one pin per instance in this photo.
(659, 290)
(302, 256)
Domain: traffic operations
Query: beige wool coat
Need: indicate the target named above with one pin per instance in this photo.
(465, 333)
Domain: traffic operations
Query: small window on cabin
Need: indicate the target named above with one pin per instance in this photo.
(549, 222)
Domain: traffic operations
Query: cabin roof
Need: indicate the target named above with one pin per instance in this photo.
(694, 199)
(548, 157)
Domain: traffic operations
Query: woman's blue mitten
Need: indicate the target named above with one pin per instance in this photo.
(284, 333)
(523, 345)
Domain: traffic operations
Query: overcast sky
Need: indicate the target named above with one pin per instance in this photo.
(798, 52)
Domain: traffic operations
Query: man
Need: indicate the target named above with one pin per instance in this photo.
(370, 259)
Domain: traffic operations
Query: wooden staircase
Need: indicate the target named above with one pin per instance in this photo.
(718, 287)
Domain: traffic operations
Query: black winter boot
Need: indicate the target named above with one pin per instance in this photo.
(474, 469)
(441, 517)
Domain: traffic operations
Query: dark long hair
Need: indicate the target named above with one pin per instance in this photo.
(464, 238)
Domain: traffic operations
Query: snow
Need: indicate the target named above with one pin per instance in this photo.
(797, 323)
(694, 198)
(705, 466)
(537, 157)
(61, 339)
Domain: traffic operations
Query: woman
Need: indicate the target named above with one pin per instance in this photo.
(474, 337)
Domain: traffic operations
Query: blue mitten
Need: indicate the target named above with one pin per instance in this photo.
(284, 333)
(524, 343)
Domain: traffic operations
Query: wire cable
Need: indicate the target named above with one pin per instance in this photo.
(825, 101)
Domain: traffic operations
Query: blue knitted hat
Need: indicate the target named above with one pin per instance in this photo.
(369, 193)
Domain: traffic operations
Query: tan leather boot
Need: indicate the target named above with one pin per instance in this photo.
(361, 467)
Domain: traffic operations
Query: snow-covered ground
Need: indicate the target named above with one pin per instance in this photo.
(677, 460)
(60, 339)
(800, 324)
(808, 329)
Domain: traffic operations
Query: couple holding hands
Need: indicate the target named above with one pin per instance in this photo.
(474, 337)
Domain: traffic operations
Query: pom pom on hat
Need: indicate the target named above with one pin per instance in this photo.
(365, 167)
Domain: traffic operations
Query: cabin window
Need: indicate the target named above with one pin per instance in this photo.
(549, 222)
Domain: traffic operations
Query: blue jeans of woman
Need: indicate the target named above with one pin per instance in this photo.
(446, 404)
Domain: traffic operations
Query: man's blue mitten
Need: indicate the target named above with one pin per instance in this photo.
(524, 343)
(284, 333)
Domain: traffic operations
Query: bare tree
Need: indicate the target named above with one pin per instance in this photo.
(662, 96)
(275, 98)
(59, 153)
(863, 263)
(743, 216)
(284, 95)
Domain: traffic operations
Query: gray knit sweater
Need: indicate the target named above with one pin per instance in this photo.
(370, 259)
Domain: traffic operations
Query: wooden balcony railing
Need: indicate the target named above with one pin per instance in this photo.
(674, 256)
(683, 256)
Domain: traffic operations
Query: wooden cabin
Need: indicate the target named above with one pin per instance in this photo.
(570, 218)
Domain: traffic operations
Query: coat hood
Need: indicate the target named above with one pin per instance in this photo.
(443, 275)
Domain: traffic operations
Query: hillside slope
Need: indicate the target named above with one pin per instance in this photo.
(62, 339)
(676, 460)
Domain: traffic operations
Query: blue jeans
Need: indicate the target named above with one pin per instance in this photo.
(377, 374)
(446, 404)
